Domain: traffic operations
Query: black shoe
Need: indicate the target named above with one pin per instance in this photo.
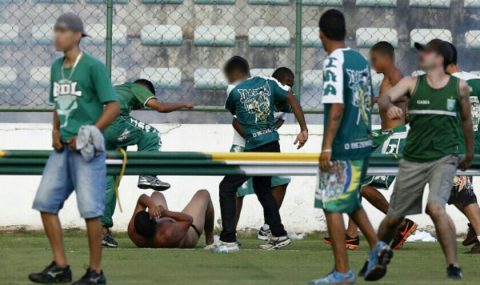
(108, 240)
(352, 243)
(454, 272)
(475, 249)
(91, 277)
(471, 236)
(52, 274)
(152, 182)
(363, 271)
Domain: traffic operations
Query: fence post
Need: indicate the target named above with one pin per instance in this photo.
(108, 52)
(298, 48)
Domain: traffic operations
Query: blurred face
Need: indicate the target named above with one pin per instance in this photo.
(235, 76)
(66, 39)
(429, 59)
(379, 61)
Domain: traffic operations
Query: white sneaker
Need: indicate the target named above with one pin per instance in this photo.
(224, 247)
(264, 233)
(275, 243)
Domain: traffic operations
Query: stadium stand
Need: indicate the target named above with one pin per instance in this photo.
(471, 3)
(162, 35)
(472, 39)
(265, 72)
(215, 2)
(40, 76)
(214, 35)
(163, 1)
(268, 2)
(367, 37)
(310, 37)
(312, 78)
(425, 35)
(376, 3)
(163, 77)
(209, 78)
(430, 3)
(119, 75)
(42, 34)
(8, 75)
(8, 34)
(98, 32)
(268, 36)
(325, 3)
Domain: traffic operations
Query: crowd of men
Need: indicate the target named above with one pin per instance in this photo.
(441, 107)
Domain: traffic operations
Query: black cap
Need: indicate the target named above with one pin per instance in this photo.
(440, 47)
(72, 22)
(454, 53)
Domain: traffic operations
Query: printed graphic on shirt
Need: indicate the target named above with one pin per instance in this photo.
(257, 102)
(65, 94)
(360, 86)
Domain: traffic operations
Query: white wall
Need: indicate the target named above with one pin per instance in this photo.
(17, 192)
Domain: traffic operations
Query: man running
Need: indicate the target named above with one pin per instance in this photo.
(252, 100)
(463, 195)
(279, 183)
(347, 98)
(154, 225)
(431, 151)
(390, 139)
(127, 131)
(85, 105)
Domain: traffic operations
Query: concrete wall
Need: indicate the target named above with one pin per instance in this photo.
(17, 192)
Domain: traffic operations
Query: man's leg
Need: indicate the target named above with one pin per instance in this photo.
(107, 219)
(201, 209)
(94, 233)
(472, 212)
(445, 229)
(279, 193)
(53, 229)
(374, 197)
(228, 189)
(238, 207)
(360, 218)
(336, 230)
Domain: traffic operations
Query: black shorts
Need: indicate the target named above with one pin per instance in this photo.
(462, 191)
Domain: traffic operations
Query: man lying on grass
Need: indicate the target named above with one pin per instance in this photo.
(153, 225)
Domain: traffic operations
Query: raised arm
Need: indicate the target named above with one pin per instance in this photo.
(302, 137)
(167, 107)
(395, 94)
(467, 125)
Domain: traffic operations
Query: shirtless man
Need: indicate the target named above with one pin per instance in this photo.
(388, 140)
(153, 225)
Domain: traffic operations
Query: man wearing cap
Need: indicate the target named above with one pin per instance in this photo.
(463, 195)
(436, 101)
(85, 105)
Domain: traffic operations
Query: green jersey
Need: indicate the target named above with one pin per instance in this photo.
(347, 80)
(253, 101)
(473, 82)
(132, 96)
(434, 123)
(79, 93)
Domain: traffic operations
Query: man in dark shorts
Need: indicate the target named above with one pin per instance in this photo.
(154, 225)
(436, 101)
(463, 195)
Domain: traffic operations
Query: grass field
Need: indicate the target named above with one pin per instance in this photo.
(21, 253)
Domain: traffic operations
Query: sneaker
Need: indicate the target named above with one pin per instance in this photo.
(264, 233)
(475, 249)
(335, 277)
(378, 260)
(108, 240)
(454, 272)
(224, 247)
(471, 236)
(403, 233)
(275, 243)
(352, 243)
(91, 277)
(52, 274)
(152, 182)
(363, 271)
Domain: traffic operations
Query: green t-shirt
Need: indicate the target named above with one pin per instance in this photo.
(132, 96)
(79, 98)
(474, 82)
(253, 101)
(347, 80)
(434, 123)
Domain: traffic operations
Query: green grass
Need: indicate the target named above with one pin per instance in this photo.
(21, 253)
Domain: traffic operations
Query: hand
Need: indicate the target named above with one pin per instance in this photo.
(189, 106)
(325, 161)
(57, 141)
(465, 162)
(394, 113)
(301, 139)
(73, 143)
(155, 212)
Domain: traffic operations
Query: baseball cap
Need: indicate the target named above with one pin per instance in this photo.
(440, 47)
(72, 22)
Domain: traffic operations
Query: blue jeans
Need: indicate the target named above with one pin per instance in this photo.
(67, 171)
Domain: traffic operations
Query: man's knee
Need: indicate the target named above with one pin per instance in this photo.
(434, 209)
(203, 193)
(157, 194)
(393, 221)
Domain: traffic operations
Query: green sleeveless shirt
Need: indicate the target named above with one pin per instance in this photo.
(434, 121)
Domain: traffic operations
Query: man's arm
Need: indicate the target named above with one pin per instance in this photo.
(279, 123)
(238, 127)
(143, 203)
(110, 113)
(467, 125)
(334, 121)
(56, 139)
(167, 107)
(302, 137)
(386, 101)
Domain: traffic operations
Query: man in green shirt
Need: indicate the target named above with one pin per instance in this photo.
(347, 97)
(436, 100)
(85, 105)
(463, 195)
(127, 131)
(252, 100)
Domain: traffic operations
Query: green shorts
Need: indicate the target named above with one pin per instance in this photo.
(386, 142)
(247, 187)
(339, 190)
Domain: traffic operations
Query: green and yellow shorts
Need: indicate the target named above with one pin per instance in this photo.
(247, 187)
(338, 191)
